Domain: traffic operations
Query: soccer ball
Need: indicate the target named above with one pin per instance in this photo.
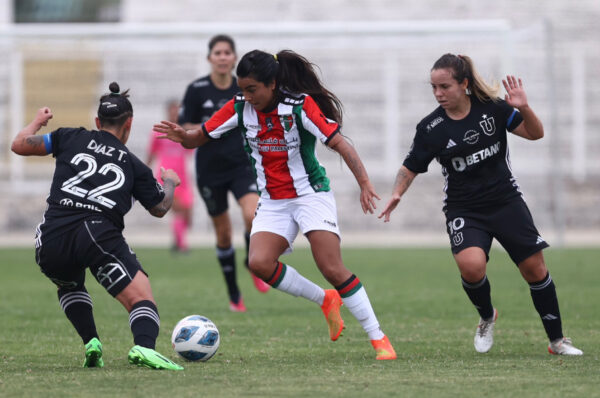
(195, 338)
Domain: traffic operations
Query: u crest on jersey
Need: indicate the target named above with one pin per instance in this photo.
(488, 125)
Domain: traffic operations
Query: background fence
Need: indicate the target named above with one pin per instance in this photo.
(380, 71)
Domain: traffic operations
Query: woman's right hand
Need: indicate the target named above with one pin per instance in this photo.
(389, 207)
(171, 131)
(169, 174)
(43, 115)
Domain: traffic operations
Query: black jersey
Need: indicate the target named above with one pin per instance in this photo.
(473, 153)
(95, 175)
(218, 160)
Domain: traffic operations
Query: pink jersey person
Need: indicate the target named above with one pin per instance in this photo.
(171, 155)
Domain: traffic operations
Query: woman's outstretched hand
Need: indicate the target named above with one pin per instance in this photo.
(171, 131)
(515, 94)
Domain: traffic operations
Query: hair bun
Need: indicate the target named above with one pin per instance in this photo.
(114, 88)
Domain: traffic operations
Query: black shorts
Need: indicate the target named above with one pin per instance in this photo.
(510, 224)
(95, 244)
(215, 196)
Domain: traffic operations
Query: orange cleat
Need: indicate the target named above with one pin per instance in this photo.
(259, 284)
(237, 307)
(331, 309)
(384, 349)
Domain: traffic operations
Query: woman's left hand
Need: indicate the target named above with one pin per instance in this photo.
(515, 94)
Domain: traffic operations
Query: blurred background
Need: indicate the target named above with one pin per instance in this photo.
(375, 55)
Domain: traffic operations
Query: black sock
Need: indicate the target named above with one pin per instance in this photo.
(479, 294)
(77, 305)
(144, 323)
(247, 239)
(227, 260)
(545, 301)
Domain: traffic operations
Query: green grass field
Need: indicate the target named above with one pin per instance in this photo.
(280, 347)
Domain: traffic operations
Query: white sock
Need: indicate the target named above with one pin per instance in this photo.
(359, 305)
(295, 284)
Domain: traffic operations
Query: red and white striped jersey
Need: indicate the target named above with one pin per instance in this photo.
(281, 143)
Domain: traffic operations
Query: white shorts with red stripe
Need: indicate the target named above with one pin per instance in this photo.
(285, 217)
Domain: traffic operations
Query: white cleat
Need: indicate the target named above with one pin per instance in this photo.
(563, 346)
(484, 336)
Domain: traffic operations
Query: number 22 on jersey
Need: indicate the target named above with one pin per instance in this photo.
(96, 194)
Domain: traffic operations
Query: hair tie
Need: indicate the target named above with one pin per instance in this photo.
(275, 56)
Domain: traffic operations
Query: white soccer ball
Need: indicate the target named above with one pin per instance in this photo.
(196, 338)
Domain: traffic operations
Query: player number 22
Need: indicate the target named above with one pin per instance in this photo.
(96, 194)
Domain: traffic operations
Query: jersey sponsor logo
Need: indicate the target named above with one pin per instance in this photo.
(451, 143)
(434, 123)
(201, 83)
(208, 104)
(488, 125)
(471, 137)
(460, 164)
(66, 202)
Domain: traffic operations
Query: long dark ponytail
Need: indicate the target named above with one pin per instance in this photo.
(292, 73)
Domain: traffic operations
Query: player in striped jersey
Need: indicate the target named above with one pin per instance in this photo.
(283, 111)
(95, 182)
(467, 135)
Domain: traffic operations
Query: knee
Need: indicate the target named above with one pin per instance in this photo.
(261, 266)
(472, 272)
(533, 272)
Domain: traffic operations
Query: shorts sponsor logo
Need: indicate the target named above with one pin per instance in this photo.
(109, 274)
(471, 137)
(331, 223)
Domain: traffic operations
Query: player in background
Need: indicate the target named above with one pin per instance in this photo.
(467, 135)
(170, 155)
(222, 166)
(283, 110)
(95, 181)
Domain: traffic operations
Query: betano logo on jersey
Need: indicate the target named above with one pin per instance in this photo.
(460, 164)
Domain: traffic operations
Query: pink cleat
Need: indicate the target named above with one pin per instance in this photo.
(237, 307)
(259, 284)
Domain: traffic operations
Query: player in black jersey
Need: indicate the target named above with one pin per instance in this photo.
(95, 182)
(222, 166)
(467, 135)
